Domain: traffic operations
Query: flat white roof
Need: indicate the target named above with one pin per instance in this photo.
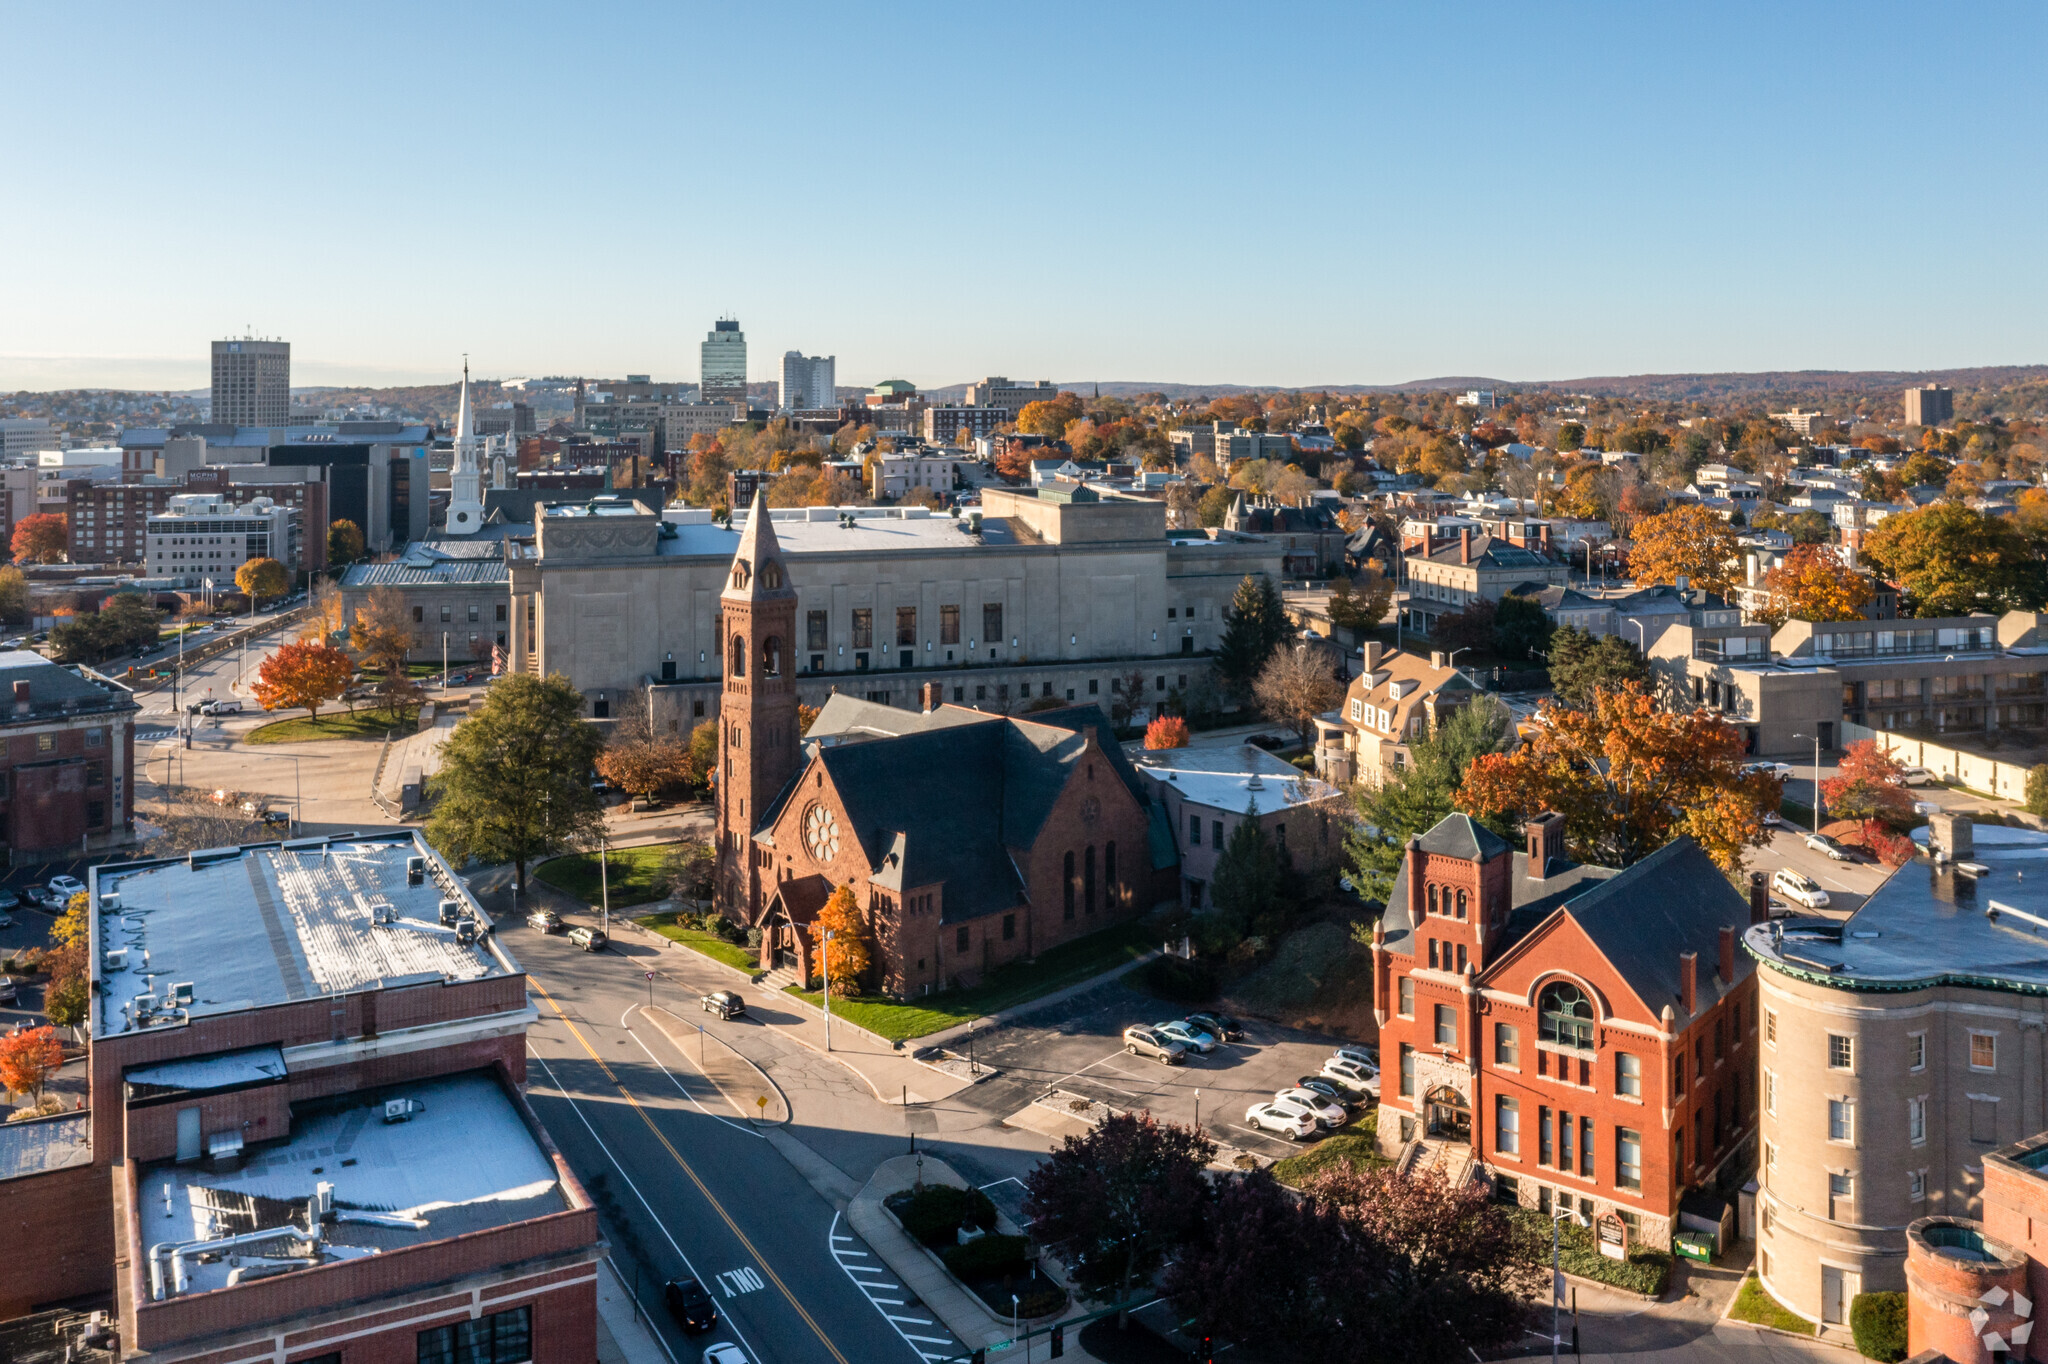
(271, 923)
(38, 1145)
(1234, 779)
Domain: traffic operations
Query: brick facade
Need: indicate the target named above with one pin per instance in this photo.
(758, 716)
(62, 1237)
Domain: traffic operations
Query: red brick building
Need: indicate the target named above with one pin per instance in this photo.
(1973, 1287)
(307, 1137)
(1578, 1035)
(968, 839)
(67, 767)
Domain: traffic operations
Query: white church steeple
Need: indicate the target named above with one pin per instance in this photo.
(466, 482)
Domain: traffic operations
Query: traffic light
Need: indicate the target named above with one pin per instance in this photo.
(979, 1357)
(1059, 1341)
(1208, 1351)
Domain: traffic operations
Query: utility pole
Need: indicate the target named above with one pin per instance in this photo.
(825, 963)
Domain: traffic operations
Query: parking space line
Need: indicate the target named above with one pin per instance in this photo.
(881, 1303)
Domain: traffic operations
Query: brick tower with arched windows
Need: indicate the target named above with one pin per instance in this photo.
(757, 722)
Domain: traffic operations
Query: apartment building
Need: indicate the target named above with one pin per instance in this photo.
(1397, 699)
(1000, 392)
(1582, 1037)
(252, 382)
(891, 476)
(1901, 1047)
(1206, 793)
(1468, 568)
(944, 423)
(1960, 676)
(1930, 405)
(808, 381)
(67, 759)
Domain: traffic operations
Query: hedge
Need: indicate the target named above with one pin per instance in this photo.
(1180, 980)
(1878, 1322)
(935, 1213)
(1645, 1271)
(988, 1257)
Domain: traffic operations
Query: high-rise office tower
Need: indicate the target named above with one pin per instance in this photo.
(807, 380)
(1930, 405)
(252, 382)
(723, 378)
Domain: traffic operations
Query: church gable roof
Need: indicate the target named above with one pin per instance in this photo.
(1460, 835)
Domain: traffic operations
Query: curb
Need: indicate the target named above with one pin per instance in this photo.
(789, 1113)
(1029, 1006)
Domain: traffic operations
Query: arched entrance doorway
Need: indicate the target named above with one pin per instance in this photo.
(1449, 1116)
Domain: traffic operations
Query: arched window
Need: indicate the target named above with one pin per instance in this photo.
(739, 656)
(739, 575)
(1109, 875)
(1088, 880)
(1432, 899)
(1567, 1016)
(1070, 885)
(1461, 904)
(771, 656)
(771, 574)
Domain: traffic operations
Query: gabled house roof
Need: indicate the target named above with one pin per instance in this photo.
(1488, 552)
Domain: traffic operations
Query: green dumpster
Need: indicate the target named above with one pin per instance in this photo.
(1694, 1245)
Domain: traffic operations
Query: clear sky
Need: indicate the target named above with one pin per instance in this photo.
(1270, 194)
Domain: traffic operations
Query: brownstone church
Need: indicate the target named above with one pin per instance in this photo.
(969, 839)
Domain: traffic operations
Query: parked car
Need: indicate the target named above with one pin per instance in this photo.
(725, 1352)
(1782, 771)
(1220, 1026)
(1821, 843)
(1799, 888)
(589, 939)
(1352, 1076)
(724, 1003)
(1188, 1035)
(1328, 1088)
(1140, 1040)
(278, 818)
(1327, 1111)
(1289, 1120)
(1926, 807)
(1368, 1057)
(546, 920)
(1918, 776)
(690, 1305)
(34, 894)
(62, 888)
(9, 991)
(1772, 819)
(8, 899)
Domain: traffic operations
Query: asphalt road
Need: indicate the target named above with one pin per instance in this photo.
(689, 1190)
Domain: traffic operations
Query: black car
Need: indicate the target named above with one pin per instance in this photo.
(546, 920)
(1328, 1088)
(724, 1003)
(1222, 1027)
(690, 1305)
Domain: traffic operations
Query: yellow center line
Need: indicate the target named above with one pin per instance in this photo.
(677, 1156)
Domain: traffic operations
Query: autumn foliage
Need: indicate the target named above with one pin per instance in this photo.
(848, 960)
(1628, 778)
(260, 578)
(27, 1059)
(1692, 542)
(1868, 784)
(643, 764)
(1168, 731)
(305, 674)
(39, 539)
(1813, 583)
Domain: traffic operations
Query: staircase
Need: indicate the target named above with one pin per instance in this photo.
(780, 978)
(1454, 1159)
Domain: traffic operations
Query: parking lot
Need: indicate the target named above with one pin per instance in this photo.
(1077, 1046)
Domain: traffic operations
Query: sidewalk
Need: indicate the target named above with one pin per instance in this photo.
(623, 1334)
(743, 1083)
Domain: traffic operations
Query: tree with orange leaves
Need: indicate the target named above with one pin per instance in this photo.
(308, 674)
(847, 960)
(39, 538)
(1628, 778)
(1689, 542)
(1168, 731)
(1814, 583)
(27, 1060)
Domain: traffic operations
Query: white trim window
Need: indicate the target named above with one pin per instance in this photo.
(1916, 1120)
(1983, 1051)
(1842, 1121)
(1916, 1051)
(1770, 1091)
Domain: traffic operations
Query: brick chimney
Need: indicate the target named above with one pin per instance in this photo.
(1543, 536)
(1546, 843)
(1727, 955)
(1464, 544)
(1689, 982)
(1372, 651)
(1414, 860)
(1759, 898)
(930, 695)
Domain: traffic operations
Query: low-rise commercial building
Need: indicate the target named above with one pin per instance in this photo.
(1208, 792)
(67, 768)
(1448, 577)
(891, 476)
(1902, 1046)
(454, 591)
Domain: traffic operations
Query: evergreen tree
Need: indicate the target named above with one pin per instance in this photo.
(1420, 794)
(1581, 662)
(1248, 874)
(1253, 628)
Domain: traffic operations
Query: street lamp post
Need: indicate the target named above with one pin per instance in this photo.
(1816, 777)
(1556, 1282)
(444, 660)
(604, 862)
(825, 965)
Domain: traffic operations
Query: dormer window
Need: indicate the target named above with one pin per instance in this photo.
(771, 575)
(739, 575)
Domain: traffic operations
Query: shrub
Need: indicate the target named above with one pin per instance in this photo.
(754, 938)
(935, 1214)
(1878, 1322)
(1180, 980)
(2037, 789)
(1893, 849)
(988, 1257)
(1645, 1271)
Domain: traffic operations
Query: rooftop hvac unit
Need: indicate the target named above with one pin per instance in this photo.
(117, 959)
(145, 1005)
(402, 1110)
(465, 932)
(181, 992)
(415, 870)
(451, 910)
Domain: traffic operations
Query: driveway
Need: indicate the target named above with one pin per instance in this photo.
(1077, 1046)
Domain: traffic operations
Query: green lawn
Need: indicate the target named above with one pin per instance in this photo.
(1067, 964)
(712, 946)
(1755, 1305)
(1356, 1147)
(634, 874)
(366, 723)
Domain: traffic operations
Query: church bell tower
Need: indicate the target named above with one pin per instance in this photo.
(759, 743)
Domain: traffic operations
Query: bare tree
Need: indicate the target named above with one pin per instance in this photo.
(193, 820)
(1296, 685)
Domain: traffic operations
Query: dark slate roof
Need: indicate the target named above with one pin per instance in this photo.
(1673, 901)
(1533, 900)
(1460, 835)
(1488, 551)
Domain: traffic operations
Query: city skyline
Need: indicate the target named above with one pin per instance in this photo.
(1564, 199)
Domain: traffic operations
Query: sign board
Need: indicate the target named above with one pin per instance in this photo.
(1612, 1234)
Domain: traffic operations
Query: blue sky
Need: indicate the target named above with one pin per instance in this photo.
(1254, 194)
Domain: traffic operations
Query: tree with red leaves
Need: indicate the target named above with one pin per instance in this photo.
(39, 538)
(303, 674)
(1868, 784)
(28, 1059)
(1168, 731)
(1118, 1202)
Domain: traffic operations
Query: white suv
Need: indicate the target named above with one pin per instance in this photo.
(1799, 888)
(1289, 1120)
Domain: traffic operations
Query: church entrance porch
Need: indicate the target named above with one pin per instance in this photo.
(1449, 1116)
